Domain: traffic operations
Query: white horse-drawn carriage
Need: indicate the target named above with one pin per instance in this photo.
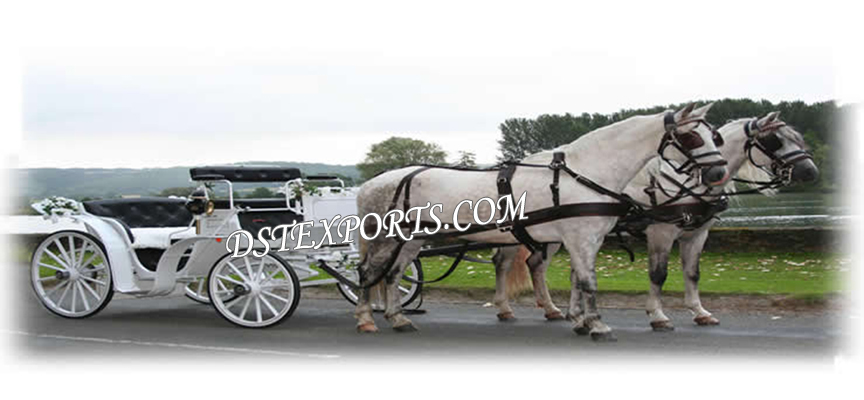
(148, 247)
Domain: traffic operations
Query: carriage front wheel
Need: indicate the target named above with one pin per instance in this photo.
(409, 290)
(70, 274)
(253, 292)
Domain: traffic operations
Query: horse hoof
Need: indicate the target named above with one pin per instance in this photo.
(581, 330)
(706, 320)
(603, 337)
(662, 326)
(555, 316)
(405, 328)
(367, 328)
(506, 317)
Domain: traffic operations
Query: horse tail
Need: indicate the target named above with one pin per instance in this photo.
(518, 278)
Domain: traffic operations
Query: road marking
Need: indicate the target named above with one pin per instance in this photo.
(172, 345)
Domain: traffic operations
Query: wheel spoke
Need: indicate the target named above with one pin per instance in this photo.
(221, 285)
(245, 307)
(258, 309)
(73, 260)
(62, 249)
(249, 269)
(56, 288)
(83, 297)
(280, 298)
(277, 285)
(91, 291)
(47, 278)
(80, 256)
(54, 256)
(229, 279)
(404, 290)
(260, 270)
(269, 306)
(236, 271)
(96, 268)
(63, 295)
(41, 264)
(269, 277)
(74, 296)
(232, 302)
(84, 264)
(89, 279)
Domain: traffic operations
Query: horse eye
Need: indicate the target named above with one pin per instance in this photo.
(718, 140)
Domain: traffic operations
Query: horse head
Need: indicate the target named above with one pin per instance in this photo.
(696, 142)
(779, 150)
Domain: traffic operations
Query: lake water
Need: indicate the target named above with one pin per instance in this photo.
(797, 210)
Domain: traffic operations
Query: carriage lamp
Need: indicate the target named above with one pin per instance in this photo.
(199, 203)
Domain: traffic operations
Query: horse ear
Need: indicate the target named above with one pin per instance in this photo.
(701, 111)
(771, 117)
(684, 113)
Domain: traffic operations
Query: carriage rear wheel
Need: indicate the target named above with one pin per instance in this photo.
(409, 290)
(253, 292)
(70, 274)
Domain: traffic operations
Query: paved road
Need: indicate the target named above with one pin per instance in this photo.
(322, 330)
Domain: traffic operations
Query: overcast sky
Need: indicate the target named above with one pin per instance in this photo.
(316, 85)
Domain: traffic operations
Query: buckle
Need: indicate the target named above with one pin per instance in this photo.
(687, 217)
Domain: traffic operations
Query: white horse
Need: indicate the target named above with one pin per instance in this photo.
(610, 156)
(747, 157)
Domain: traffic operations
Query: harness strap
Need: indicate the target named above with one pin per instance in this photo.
(516, 228)
(405, 184)
(555, 166)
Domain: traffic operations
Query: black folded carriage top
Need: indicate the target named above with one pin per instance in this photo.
(245, 174)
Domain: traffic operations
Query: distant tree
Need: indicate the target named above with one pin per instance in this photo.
(397, 152)
(261, 193)
(467, 159)
(176, 191)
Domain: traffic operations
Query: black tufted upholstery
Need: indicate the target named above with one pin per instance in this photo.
(245, 174)
(145, 212)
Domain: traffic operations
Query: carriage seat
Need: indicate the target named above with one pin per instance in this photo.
(150, 220)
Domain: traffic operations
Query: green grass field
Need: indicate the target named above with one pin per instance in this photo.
(741, 273)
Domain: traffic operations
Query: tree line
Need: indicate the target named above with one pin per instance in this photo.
(821, 124)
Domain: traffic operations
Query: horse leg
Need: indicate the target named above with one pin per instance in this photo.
(503, 261)
(583, 250)
(541, 290)
(363, 310)
(375, 258)
(691, 248)
(392, 294)
(661, 237)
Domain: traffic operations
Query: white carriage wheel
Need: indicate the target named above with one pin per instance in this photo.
(410, 291)
(197, 291)
(253, 292)
(71, 275)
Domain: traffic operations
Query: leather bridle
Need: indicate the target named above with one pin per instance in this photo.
(769, 143)
(686, 142)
